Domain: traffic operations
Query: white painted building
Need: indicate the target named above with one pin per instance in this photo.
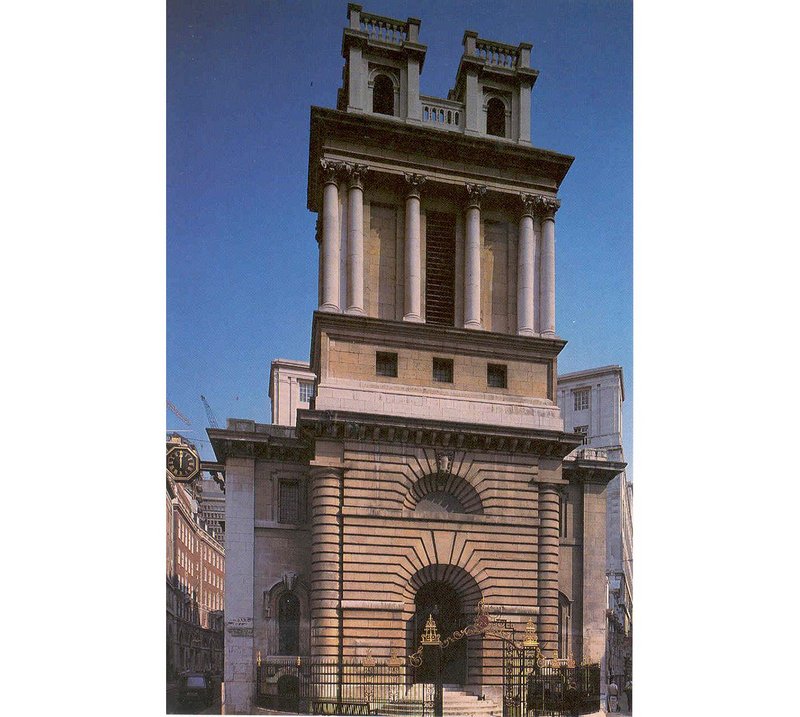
(591, 404)
(291, 386)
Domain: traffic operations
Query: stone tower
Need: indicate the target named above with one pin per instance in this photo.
(429, 472)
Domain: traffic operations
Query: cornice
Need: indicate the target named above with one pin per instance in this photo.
(348, 425)
(367, 427)
(583, 470)
(261, 443)
(416, 139)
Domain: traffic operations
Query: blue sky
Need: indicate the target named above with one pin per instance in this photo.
(241, 255)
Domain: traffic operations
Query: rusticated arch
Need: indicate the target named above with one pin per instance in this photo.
(467, 588)
(443, 492)
(449, 595)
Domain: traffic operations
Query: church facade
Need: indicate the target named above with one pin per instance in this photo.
(431, 471)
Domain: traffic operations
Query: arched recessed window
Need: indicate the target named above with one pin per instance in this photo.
(288, 624)
(496, 117)
(383, 96)
(441, 501)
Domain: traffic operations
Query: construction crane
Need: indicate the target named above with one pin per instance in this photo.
(211, 418)
(172, 407)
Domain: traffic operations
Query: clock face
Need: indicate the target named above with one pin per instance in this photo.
(182, 462)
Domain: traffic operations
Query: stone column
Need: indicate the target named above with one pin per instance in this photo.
(355, 239)
(324, 597)
(549, 506)
(413, 251)
(547, 208)
(525, 269)
(240, 668)
(472, 258)
(330, 237)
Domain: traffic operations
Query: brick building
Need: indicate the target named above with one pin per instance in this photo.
(428, 473)
(195, 586)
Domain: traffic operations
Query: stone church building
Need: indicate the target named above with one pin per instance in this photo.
(428, 468)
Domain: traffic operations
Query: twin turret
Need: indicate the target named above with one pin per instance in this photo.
(383, 61)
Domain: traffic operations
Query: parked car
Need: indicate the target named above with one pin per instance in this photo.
(195, 688)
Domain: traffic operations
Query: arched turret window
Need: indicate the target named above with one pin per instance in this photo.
(383, 96)
(496, 118)
(288, 624)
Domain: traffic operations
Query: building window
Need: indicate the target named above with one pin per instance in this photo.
(562, 517)
(496, 117)
(496, 375)
(289, 502)
(583, 431)
(288, 624)
(443, 370)
(383, 96)
(386, 364)
(582, 398)
(306, 391)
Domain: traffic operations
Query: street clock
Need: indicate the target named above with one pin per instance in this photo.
(183, 463)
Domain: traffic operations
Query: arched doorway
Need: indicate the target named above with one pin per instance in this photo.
(441, 600)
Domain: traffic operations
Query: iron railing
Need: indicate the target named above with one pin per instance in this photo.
(325, 686)
(537, 687)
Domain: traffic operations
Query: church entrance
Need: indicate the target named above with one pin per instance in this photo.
(440, 600)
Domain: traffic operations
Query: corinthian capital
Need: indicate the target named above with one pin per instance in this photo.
(414, 184)
(546, 207)
(330, 171)
(355, 175)
(474, 194)
(528, 204)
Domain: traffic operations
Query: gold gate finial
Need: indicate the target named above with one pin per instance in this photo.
(530, 634)
(258, 658)
(430, 636)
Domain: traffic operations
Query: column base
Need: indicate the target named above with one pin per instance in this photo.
(356, 311)
(549, 334)
(329, 308)
(473, 325)
(415, 318)
(525, 332)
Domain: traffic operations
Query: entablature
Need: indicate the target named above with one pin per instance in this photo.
(347, 425)
(388, 146)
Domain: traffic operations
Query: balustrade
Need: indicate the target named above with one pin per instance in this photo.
(385, 29)
(444, 114)
(497, 54)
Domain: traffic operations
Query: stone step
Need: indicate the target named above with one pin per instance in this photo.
(456, 702)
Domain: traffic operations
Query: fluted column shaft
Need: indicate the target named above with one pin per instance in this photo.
(331, 239)
(324, 595)
(549, 504)
(413, 251)
(525, 269)
(355, 240)
(548, 207)
(472, 258)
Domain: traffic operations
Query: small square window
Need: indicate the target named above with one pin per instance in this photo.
(443, 370)
(306, 391)
(497, 375)
(582, 396)
(386, 364)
